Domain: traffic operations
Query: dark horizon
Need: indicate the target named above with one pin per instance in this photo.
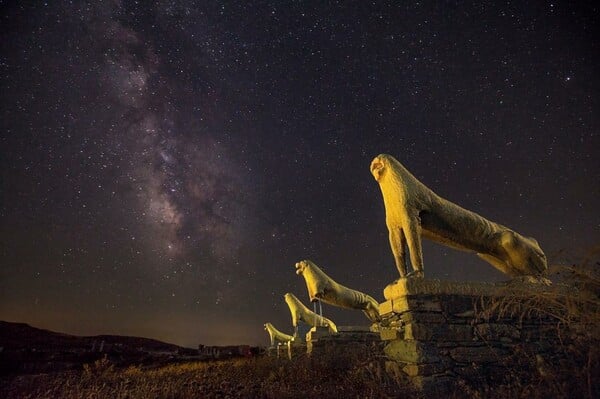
(164, 167)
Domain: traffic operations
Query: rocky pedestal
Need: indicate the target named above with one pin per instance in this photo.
(358, 339)
(435, 336)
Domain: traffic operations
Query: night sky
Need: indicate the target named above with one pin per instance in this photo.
(163, 167)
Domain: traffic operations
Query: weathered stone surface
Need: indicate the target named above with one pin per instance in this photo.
(459, 305)
(481, 354)
(494, 331)
(438, 332)
(540, 332)
(411, 352)
(342, 329)
(386, 308)
(421, 286)
(406, 303)
(413, 370)
(356, 336)
(422, 317)
(388, 334)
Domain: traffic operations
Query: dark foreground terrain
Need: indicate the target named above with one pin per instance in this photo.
(260, 377)
(327, 376)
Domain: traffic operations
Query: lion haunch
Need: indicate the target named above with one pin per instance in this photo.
(300, 312)
(413, 210)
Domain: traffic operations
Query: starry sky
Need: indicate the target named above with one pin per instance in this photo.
(164, 167)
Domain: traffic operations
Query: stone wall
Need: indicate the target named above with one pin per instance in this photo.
(436, 337)
(358, 340)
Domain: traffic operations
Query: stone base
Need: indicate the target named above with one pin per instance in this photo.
(422, 286)
(434, 336)
(348, 338)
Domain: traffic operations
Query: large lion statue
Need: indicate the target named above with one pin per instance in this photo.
(322, 287)
(302, 313)
(412, 210)
(276, 335)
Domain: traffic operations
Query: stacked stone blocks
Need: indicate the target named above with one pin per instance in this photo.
(435, 336)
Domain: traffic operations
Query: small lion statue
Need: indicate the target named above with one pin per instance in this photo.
(322, 287)
(302, 313)
(412, 210)
(276, 335)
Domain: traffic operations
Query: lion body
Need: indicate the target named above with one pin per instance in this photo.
(413, 210)
(302, 313)
(276, 335)
(322, 287)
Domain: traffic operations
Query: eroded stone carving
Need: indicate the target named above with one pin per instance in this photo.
(276, 335)
(413, 210)
(302, 313)
(322, 287)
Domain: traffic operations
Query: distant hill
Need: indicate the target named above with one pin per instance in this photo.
(21, 336)
(25, 349)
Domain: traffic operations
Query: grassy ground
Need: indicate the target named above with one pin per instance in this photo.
(261, 377)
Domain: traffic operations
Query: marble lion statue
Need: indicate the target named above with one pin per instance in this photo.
(302, 313)
(324, 288)
(412, 210)
(276, 335)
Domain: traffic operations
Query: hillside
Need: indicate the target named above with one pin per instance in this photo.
(26, 349)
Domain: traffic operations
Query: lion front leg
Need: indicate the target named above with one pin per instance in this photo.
(398, 244)
(412, 233)
(372, 312)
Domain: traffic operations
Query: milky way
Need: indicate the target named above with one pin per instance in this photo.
(164, 166)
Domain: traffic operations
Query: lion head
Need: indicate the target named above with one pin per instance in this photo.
(379, 165)
(302, 266)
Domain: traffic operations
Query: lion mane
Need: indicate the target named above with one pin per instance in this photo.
(412, 210)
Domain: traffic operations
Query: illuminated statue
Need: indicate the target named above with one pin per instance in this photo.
(302, 313)
(322, 287)
(413, 210)
(276, 335)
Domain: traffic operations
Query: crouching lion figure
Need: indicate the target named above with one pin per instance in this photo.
(413, 210)
(302, 313)
(276, 335)
(322, 287)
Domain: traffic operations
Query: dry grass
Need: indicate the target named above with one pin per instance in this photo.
(263, 377)
(569, 312)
